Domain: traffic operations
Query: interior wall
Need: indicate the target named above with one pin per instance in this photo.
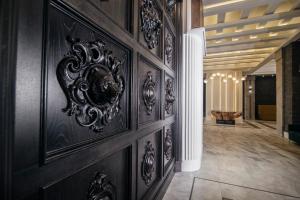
(221, 95)
(265, 97)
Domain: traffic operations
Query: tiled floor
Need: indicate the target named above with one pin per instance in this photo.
(244, 162)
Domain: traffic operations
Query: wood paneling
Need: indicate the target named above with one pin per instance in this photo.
(68, 54)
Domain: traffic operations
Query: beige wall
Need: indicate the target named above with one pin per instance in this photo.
(224, 96)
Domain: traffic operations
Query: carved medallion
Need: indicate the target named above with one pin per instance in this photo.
(168, 144)
(93, 83)
(149, 93)
(170, 97)
(148, 165)
(101, 189)
(169, 48)
(170, 5)
(151, 23)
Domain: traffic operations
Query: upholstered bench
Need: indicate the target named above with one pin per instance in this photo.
(225, 117)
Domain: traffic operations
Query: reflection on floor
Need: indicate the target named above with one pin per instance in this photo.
(248, 161)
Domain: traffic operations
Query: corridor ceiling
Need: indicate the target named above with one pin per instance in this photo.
(244, 34)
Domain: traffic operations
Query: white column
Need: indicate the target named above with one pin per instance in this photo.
(192, 99)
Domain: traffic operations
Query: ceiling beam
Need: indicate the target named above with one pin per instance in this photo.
(241, 47)
(230, 67)
(255, 32)
(232, 61)
(241, 5)
(293, 38)
(255, 56)
(259, 53)
(255, 20)
(246, 41)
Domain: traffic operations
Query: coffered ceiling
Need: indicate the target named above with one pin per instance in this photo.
(244, 34)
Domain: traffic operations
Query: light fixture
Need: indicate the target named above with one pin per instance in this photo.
(233, 78)
(225, 80)
(222, 75)
(260, 27)
(211, 78)
(235, 39)
(238, 30)
(253, 37)
(218, 74)
(283, 23)
(229, 76)
(214, 75)
(273, 34)
(205, 81)
(222, 4)
(250, 87)
(218, 41)
(243, 78)
(237, 81)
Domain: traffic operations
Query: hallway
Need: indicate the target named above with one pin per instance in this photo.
(243, 162)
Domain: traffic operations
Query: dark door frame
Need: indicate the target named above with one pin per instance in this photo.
(8, 35)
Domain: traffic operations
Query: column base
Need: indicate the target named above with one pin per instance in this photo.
(190, 165)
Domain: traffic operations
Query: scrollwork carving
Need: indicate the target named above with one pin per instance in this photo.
(171, 7)
(148, 165)
(169, 97)
(101, 189)
(168, 144)
(151, 23)
(149, 93)
(169, 47)
(93, 83)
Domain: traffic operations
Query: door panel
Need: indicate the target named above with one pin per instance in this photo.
(95, 99)
(108, 178)
(64, 128)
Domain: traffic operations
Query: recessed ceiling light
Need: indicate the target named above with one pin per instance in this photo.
(273, 34)
(283, 23)
(234, 78)
(222, 4)
(225, 80)
(229, 76)
(260, 27)
(243, 78)
(253, 36)
(235, 39)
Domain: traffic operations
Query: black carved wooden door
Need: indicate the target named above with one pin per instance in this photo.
(95, 101)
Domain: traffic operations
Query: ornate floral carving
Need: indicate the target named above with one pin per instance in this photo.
(168, 144)
(149, 93)
(171, 7)
(93, 83)
(148, 165)
(151, 23)
(170, 97)
(101, 189)
(169, 47)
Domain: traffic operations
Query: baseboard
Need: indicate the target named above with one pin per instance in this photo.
(163, 189)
